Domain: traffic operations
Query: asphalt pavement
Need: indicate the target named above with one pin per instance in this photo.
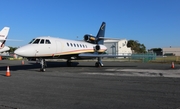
(117, 85)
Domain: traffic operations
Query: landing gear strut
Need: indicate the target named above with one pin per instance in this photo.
(43, 65)
(99, 63)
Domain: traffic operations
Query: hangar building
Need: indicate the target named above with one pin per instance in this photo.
(171, 51)
(117, 47)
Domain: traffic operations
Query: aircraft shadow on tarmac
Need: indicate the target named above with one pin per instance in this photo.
(32, 65)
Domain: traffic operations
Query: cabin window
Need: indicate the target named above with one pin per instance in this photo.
(86, 46)
(67, 44)
(80, 45)
(77, 45)
(47, 41)
(83, 46)
(42, 41)
(71, 44)
(36, 41)
(31, 41)
(74, 45)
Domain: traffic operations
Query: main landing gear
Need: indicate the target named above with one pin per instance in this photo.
(69, 63)
(43, 65)
(99, 63)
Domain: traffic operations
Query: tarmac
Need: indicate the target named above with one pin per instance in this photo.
(117, 85)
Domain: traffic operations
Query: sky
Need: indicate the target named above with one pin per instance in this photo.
(154, 23)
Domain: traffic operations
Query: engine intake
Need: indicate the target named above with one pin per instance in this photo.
(90, 38)
(97, 47)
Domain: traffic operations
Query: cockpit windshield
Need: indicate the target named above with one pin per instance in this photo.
(40, 41)
(31, 41)
(36, 41)
(47, 41)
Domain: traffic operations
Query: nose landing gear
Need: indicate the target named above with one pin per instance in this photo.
(43, 65)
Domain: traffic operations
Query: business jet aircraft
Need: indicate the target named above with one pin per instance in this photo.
(3, 35)
(50, 47)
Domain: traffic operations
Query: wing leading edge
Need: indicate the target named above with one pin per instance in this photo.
(102, 55)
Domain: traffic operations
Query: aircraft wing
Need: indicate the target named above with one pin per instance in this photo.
(102, 55)
(114, 55)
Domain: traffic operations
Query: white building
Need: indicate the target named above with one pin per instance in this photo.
(171, 51)
(117, 47)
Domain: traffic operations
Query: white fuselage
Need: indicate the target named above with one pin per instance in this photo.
(56, 47)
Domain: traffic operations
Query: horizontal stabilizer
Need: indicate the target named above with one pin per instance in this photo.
(109, 38)
(13, 40)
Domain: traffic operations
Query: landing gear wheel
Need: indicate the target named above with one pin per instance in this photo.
(42, 69)
(98, 64)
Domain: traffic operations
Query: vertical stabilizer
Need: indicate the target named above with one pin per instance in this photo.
(3, 35)
(101, 33)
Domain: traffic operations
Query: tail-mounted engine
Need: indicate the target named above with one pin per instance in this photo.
(97, 47)
(90, 39)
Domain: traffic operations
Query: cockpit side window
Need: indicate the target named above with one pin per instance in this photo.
(47, 41)
(36, 41)
(42, 41)
(31, 41)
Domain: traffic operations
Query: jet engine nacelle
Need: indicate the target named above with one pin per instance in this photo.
(90, 38)
(97, 47)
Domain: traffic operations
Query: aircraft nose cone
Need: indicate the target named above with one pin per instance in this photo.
(25, 51)
(20, 51)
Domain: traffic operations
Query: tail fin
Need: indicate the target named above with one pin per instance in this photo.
(101, 33)
(3, 35)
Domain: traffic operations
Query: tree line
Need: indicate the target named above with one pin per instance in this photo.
(136, 46)
(12, 49)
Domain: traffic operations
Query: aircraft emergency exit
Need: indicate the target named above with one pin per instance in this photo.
(3, 36)
(47, 47)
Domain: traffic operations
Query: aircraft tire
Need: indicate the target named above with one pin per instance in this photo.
(42, 69)
(98, 64)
